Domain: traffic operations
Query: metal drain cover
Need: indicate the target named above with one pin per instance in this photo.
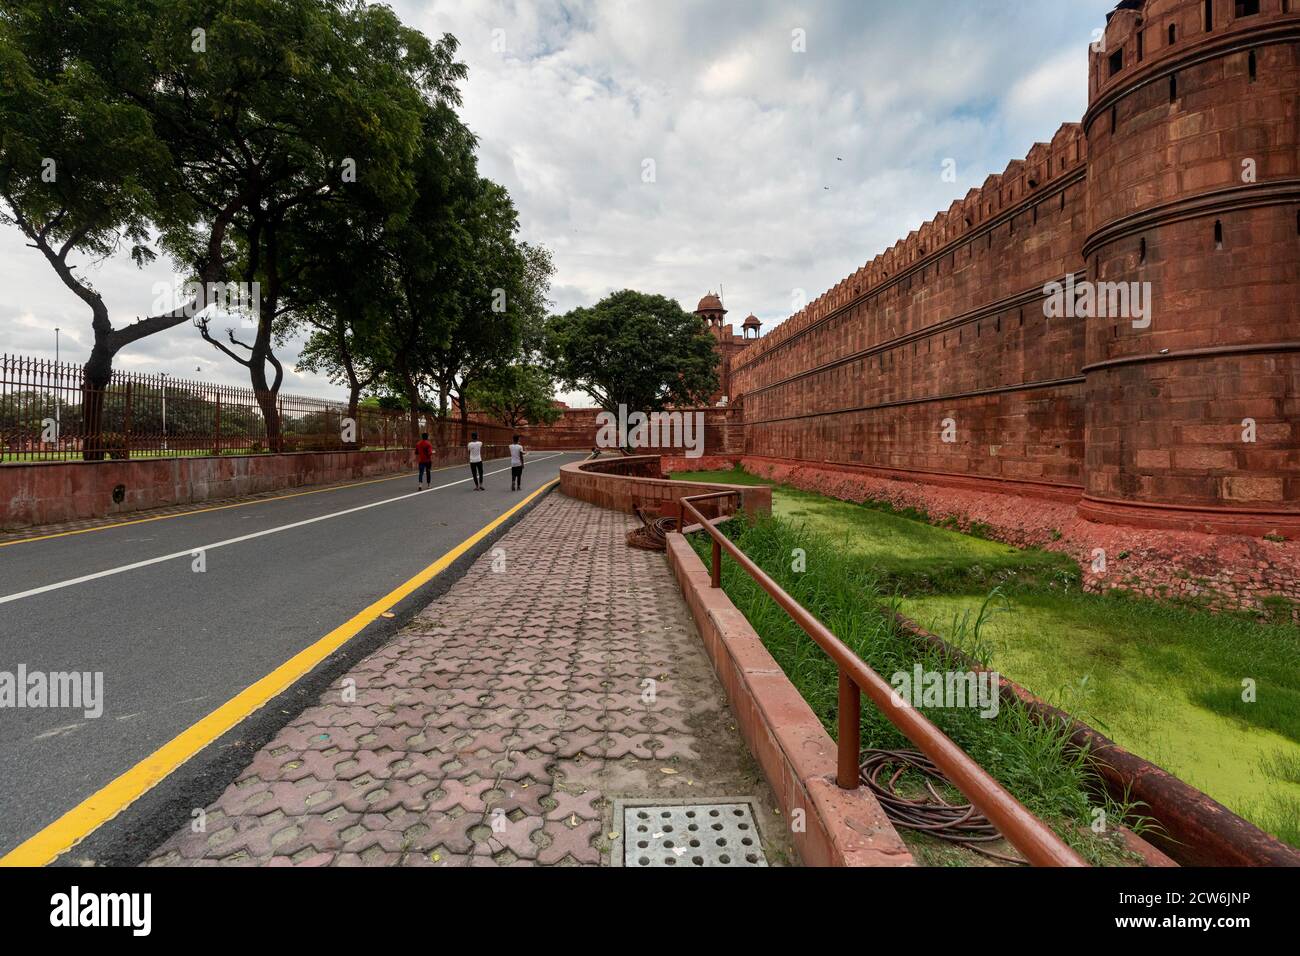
(692, 834)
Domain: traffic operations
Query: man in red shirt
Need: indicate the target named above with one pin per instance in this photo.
(424, 455)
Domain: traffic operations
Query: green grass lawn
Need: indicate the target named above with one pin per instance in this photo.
(911, 552)
(1163, 681)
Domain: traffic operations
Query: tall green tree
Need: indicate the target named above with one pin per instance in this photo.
(426, 256)
(635, 349)
(342, 289)
(502, 294)
(84, 173)
(277, 109)
(516, 395)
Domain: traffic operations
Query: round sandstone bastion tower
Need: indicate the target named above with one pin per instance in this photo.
(1192, 357)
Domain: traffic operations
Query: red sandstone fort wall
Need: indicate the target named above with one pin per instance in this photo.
(1194, 187)
(949, 323)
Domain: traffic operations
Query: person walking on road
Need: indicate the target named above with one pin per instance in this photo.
(476, 460)
(516, 465)
(424, 455)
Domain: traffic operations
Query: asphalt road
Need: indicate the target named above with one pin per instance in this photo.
(174, 643)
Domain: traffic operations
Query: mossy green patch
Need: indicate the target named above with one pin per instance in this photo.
(914, 555)
(1164, 687)
(1213, 698)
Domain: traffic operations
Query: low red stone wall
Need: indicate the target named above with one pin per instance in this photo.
(624, 483)
(53, 492)
(798, 757)
(724, 430)
(672, 464)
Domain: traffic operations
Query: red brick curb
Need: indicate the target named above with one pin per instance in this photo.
(841, 828)
(638, 480)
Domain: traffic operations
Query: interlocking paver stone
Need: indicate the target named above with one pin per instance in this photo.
(499, 726)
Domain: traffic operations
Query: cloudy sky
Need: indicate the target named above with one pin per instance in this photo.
(785, 143)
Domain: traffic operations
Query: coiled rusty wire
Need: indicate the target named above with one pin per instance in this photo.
(653, 533)
(957, 823)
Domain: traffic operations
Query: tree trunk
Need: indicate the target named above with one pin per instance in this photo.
(96, 376)
(413, 399)
(268, 402)
(354, 404)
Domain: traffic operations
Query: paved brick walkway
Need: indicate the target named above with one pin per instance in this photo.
(498, 727)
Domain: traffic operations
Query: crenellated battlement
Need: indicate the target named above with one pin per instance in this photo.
(1021, 184)
(1145, 38)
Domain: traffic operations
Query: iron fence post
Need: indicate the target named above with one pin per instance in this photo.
(850, 727)
(126, 423)
(715, 571)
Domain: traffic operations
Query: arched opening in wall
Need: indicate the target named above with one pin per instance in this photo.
(1141, 37)
(1142, 251)
(1173, 88)
(1117, 61)
(1252, 66)
(1173, 34)
(1114, 119)
(1218, 234)
(1248, 8)
(1209, 16)
(1062, 200)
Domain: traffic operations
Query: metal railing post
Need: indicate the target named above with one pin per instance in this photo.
(126, 422)
(850, 722)
(715, 571)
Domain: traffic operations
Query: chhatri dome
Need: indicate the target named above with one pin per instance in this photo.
(710, 303)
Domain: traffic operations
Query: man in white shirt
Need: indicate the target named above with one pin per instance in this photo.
(476, 460)
(516, 465)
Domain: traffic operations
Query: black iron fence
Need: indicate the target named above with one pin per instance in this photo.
(48, 414)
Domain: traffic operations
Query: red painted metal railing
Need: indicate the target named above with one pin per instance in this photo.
(1028, 834)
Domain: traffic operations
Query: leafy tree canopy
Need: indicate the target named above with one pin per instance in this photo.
(635, 349)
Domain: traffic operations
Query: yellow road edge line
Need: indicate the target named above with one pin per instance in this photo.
(199, 511)
(105, 804)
